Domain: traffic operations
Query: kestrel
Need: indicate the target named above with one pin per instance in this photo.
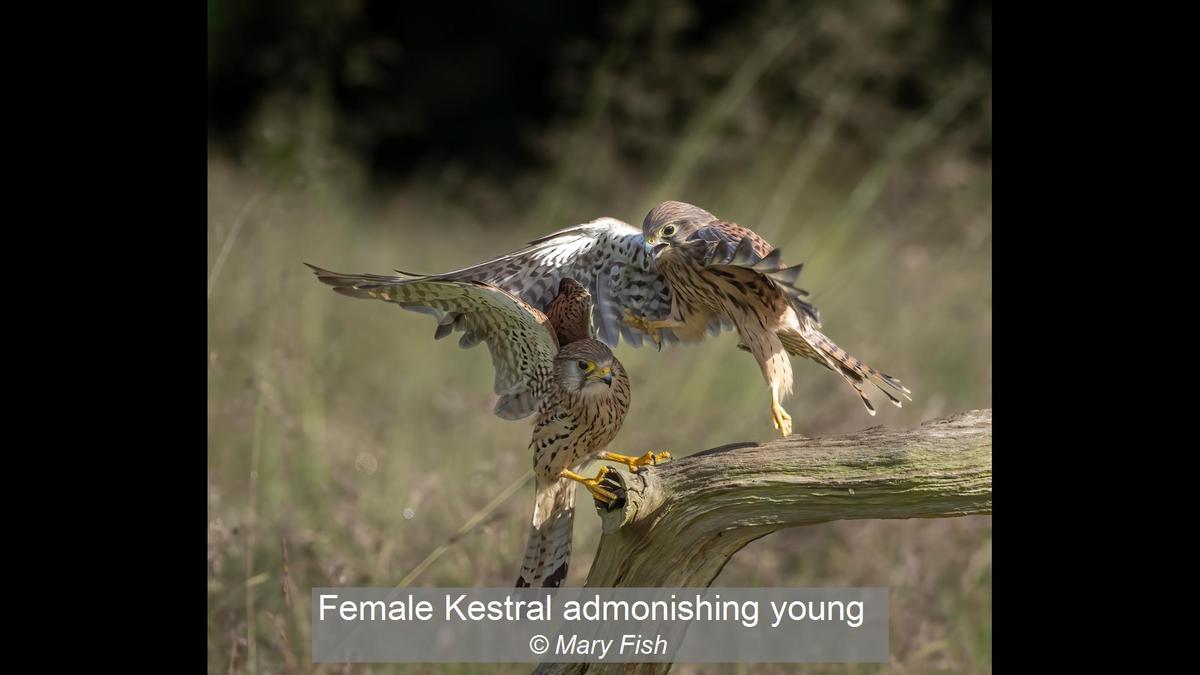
(546, 364)
(685, 275)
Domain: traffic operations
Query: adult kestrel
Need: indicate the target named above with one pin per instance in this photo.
(546, 364)
(685, 275)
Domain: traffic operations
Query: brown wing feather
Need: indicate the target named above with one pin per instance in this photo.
(520, 338)
(736, 233)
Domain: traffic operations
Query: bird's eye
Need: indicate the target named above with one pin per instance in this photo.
(583, 365)
(668, 231)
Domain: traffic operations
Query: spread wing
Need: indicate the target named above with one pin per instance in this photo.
(722, 243)
(518, 336)
(608, 257)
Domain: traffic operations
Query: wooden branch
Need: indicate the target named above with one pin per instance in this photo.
(682, 521)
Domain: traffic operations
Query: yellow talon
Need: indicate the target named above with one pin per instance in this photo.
(643, 324)
(634, 462)
(783, 421)
(593, 484)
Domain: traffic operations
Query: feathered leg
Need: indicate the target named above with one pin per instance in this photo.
(776, 369)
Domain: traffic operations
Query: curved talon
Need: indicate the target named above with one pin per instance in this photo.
(642, 324)
(782, 420)
(634, 462)
(593, 485)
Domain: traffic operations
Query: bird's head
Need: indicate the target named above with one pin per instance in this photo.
(670, 224)
(570, 288)
(587, 367)
(570, 312)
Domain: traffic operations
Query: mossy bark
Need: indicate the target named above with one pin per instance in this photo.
(682, 521)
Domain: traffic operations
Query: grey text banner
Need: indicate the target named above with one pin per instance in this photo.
(528, 625)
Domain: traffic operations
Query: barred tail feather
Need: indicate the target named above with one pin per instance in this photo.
(548, 551)
(855, 372)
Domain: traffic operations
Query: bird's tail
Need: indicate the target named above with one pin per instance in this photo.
(856, 372)
(549, 549)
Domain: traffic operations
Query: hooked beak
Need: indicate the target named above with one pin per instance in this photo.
(657, 249)
(603, 374)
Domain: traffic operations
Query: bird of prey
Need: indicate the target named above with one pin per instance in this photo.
(685, 275)
(545, 363)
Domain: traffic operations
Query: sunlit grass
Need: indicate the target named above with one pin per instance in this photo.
(339, 429)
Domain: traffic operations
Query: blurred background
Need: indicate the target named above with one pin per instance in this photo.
(347, 447)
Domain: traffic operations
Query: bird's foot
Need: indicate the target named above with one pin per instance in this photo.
(612, 483)
(643, 324)
(648, 459)
(600, 494)
(782, 420)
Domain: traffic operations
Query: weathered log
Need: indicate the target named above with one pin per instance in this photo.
(679, 523)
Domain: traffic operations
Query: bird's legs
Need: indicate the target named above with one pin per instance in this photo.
(593, 484)
(648, 326)
(634, 462)
(783, 421)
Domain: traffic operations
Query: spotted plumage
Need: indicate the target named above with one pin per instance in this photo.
(715, 267)
(577, 421)
(570, 312)
(607, 257)
(706, 276)
(547, 365)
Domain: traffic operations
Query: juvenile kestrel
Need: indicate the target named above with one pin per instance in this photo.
(685, 275)
(546, 364)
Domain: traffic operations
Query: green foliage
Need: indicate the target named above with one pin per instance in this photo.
(339, 429)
